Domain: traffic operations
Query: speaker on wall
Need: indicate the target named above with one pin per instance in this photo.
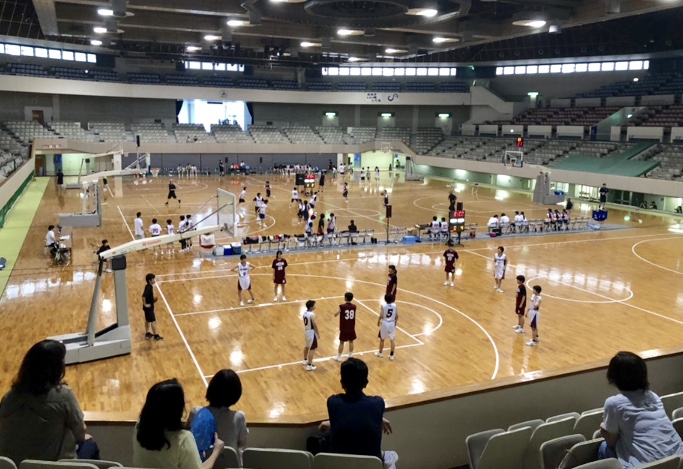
(137, 140)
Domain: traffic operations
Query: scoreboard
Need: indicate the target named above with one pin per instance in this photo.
(456, 222)
(309, 183)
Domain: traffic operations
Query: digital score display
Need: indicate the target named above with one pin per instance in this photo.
(457, 221)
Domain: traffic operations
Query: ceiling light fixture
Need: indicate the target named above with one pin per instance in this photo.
(105, 12)
(211, 37)
(428, 12)
(100, 29)
(439, 40)
(395, 51)
(193, 48)
(309, 44)
(234, 23)
(95, 42)
(536, 23)
(344, 32)
(355, 59)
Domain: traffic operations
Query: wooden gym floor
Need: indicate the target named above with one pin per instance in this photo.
(604, 292)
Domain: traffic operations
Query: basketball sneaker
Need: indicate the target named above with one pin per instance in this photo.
(305, 362)
(532, 343)
(519, 330)
(149, 335)
(241, 303)
(275, 299)
(250, 301)
(284, 299)
(379, 355)
(311, 368)
(338, 358)
(516, 326)
(452, 284)
(445, 284)
(157, 337)
(499, 290)
(391, 357)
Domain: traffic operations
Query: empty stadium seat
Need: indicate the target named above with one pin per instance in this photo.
(7, 463)
(672, 462)
(528, 423)
(588, 422)
(552, 452)
(495, 449)
(100, 463)
(602, 464)
(542, 433)
(672, 402)
(228, 458)
(35, 464)
(582, 453)
(258, 458)
(555, 418)
(346, 461)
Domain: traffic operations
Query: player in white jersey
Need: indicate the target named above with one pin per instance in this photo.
(388, 318)
(139, 227)
(170, 229)
(500, 262)
(311, 335)
(243, 279)
(262, 212)
(534, 315)
(155, 230)
(295, 195)
(242, 196)
(258, 201)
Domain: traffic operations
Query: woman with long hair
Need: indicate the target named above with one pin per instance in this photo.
(40, 417)
(161, 440)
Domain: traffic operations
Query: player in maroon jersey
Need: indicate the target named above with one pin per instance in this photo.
(392, 281)
(347, 325)
(520, 304)
(279, 266)
(451, 258)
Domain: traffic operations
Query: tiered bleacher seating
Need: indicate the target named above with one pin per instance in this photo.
(394, 134)
(68, 129)
(387, 86)
(70, 73)
(352, 86)
(653, 84)
(585, 116)
(660, 116)
(31, 70)
(254, 83)
(426, 139)
(674, 86)
(108, 131)
(9, 143)
(182, 80)
(421, 87)
(362, 134)
(267, 134)
(285, 84)
(598, 149)
(330, 134)
(219, 82)
(105, 75)
(8, 164)
(26, 131)
(670, 158)
(319, 86)
(302, 134)
(192, 133)
(454, 87)
(150, 132)
(230, 134)
(144, 78)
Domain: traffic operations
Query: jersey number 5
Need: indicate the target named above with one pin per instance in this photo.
(390, 312)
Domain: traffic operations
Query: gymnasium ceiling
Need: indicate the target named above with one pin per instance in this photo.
(268, 31)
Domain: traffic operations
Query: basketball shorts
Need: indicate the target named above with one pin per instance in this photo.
(387, 330)
(449, 269)
(519, 311)
(139, 236)
(534, 318)
(347, 334)
(171, 195)
(310, 340)
(262, 216)
(149, 315)
(279, 281)
(499, 273)
(243, 283)
(241, 201)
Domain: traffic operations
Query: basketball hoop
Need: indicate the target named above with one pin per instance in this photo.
(386, 147)
(207, 241)
(155, 172)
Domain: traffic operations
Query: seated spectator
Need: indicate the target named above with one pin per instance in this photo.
(160, 439)
(224, 390)
(653, 205)
(549, 221)
(356, 420)
(493, 223)
(565, 218)
(635, 426)
(40, 417)
(679, 209)
(516, 222)
(50, 240)
(444, 227)
(434, 227)
(352, 227)
(504, 223)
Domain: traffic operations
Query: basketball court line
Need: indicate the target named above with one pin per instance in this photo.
(316, 360)
(623, 302)
(633, 250)
(428, 309)
(182, 336)
(608, 301)
(360, 302)
(126, 223)
(260, 305)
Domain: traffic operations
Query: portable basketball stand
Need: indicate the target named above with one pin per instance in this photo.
(115, 339)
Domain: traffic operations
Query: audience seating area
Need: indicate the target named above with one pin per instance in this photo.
(25, 131)
(585, 116)
(67, 129)
(543, 444)
(652, 84)
(362, 134)
(267, 134)
(151, 132)
(108, 131)
(394, 134)
(230, 134)
(191, 133)
(302, 134)
(330, 134)
(8, 164)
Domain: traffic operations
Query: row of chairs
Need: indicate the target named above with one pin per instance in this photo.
(539, 225)
(255, 458)
(302, 242)
(527, 445)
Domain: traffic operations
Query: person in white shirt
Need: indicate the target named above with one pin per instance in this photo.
(170, 229)
(534, 315)
(342, 169)
(635, 426)
(155, 230)
(493, 223)
(50, 241)
(504, 223)
(517, 222)
(295, 195)
(311, 335)
(377, 174)
(243, 278)
(434, 228)
(500, 261)
(242, 196)
(262, 212)
(388, 318)
(139, 229)
(332, 224)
